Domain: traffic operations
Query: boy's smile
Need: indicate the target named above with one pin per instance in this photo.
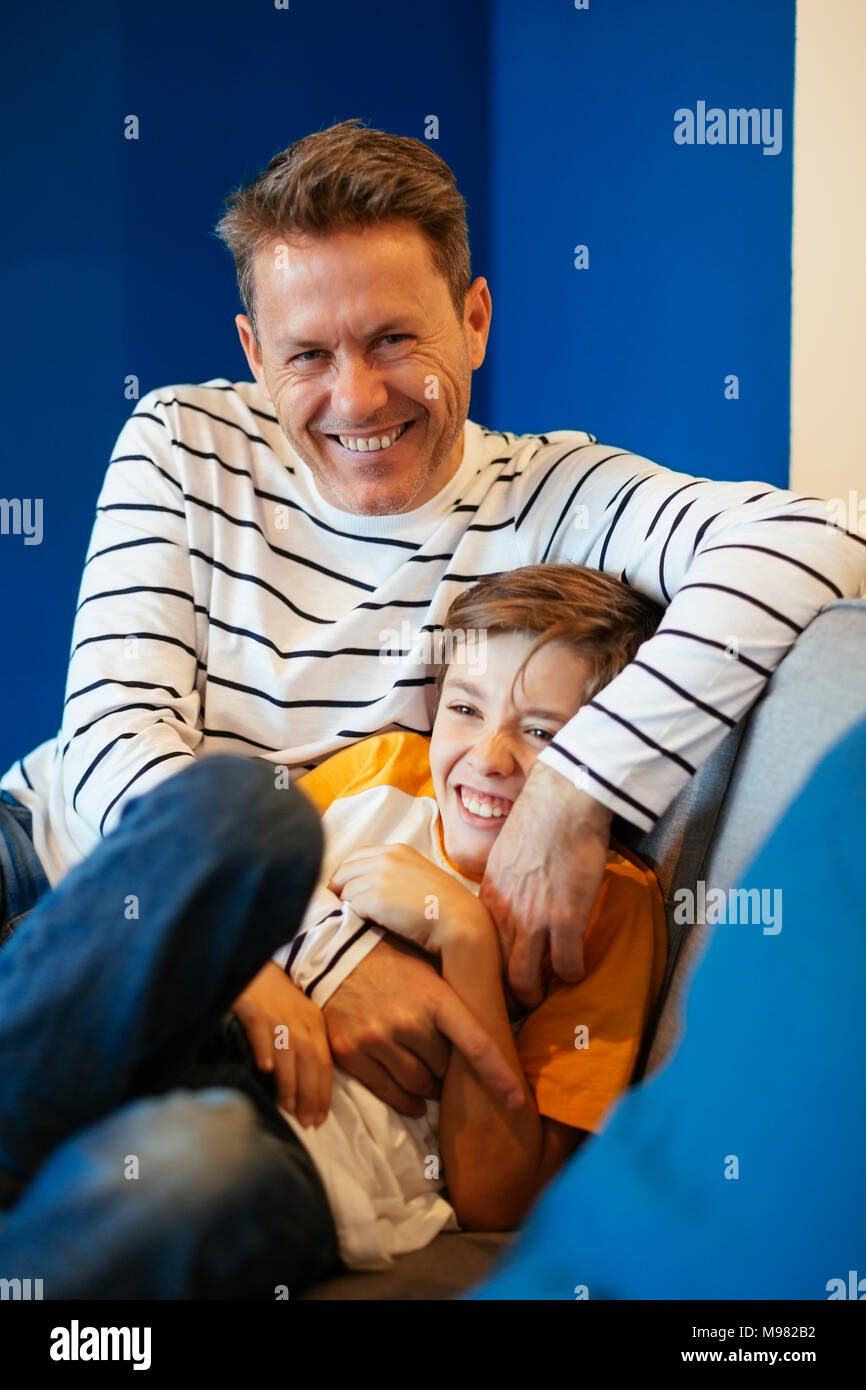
(476, 805)
(486, 736)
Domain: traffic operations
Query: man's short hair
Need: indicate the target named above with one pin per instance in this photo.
(349, 176)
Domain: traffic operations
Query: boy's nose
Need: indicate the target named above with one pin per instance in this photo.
(493, 752)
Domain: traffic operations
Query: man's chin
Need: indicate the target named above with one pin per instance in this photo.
(389, 504)
(375, 498)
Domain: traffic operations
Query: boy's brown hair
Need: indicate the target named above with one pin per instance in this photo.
(349, 176)
(598, 616)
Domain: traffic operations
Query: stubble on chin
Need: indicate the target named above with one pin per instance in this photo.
(364, 498)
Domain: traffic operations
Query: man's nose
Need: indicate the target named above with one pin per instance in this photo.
(357, 392)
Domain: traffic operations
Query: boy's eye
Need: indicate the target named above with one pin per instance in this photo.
(462, 709)
(542, 733)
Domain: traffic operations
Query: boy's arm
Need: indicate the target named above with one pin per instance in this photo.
(496, 1160)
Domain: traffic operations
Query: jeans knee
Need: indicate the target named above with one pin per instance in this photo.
(234, 809)
(189, 1160)
(172, 1196)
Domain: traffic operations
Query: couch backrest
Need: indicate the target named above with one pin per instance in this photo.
(724, 814)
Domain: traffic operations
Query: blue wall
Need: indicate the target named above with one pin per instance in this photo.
(109, 264)
(689, 273)
(558, 124)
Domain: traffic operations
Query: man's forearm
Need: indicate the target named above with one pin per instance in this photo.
(332, 941)
(744, 568)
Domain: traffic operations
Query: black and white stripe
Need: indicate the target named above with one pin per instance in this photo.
(224, 606)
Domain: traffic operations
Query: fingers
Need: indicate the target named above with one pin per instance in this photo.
(257, 1027)
(406, 1069)
(380, 1081)
(498, 907)
(359, 889)
(299, 1058)
(309, 1071)
(315, 1071)
(524, 966)
(566, 953)
(428, 1050)
(457, 1023)
(286, 1077)
(356, 862)
(392, 1072)
(304, 1077)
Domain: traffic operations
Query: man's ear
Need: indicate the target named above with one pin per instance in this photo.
(477, 313)
(252, 352)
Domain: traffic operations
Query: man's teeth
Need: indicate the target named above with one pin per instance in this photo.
(488, 806)
(375, 442)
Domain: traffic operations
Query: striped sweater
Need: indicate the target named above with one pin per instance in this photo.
(226, 607)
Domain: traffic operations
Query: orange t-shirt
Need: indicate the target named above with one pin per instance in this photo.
(578, 1048)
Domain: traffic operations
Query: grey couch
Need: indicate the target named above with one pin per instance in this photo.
(711, 832)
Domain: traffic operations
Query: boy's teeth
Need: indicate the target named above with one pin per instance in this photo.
(482, 806)
(375, 442)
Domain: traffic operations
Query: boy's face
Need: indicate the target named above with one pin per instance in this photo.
(483, 745)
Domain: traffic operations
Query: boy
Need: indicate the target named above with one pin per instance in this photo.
(409, 823)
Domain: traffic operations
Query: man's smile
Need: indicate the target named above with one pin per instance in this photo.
(383, 441)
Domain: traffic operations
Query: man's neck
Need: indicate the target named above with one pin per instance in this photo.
(443, 475)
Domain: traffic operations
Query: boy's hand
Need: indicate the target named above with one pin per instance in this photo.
(399, 889)
(270, 1005)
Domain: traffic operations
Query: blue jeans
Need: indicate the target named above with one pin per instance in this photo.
(22, 878)
(141, 1151)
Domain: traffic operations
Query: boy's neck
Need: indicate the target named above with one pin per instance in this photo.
(465, 873)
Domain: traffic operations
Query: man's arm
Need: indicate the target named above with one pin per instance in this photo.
(131, 708)
(542, 879)
(742, 567)
(391, 1019)
(333, 939)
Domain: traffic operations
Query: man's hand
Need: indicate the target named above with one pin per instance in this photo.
(391, 1023)
(542, 879)
(304, 1069)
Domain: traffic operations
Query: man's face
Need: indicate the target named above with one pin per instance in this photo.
(358, 336)
(484, 743)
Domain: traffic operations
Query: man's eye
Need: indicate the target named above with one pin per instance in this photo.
(311, 352)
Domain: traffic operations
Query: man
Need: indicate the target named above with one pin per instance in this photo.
(260, 549)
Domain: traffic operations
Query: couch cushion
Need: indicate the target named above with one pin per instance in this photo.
(449, 1265)
(813, 698)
